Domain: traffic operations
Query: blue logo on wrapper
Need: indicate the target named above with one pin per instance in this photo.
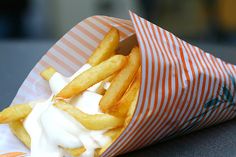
(224, 97)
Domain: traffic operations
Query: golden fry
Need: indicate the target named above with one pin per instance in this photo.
(121, 82)
(93, 76)
(15, 112)
(106, 48)
(48, 73)
(92, 122)
(121, 108)
(131, 110)
(19, 131)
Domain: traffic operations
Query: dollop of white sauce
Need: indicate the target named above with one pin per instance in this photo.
(51, 129)
(88, 102)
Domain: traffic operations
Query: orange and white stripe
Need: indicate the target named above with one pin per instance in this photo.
(177, 80)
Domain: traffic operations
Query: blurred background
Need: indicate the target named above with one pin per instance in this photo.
(28, 28)
(196, 20)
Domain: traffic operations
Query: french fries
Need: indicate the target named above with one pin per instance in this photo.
(19, 131)
(92, 76)
(118, 102)
(14, 113)
(121, 82)
(106, 48)
(121, 108)
(92, 122)
(48, 73)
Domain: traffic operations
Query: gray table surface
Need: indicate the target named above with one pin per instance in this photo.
(18, 57)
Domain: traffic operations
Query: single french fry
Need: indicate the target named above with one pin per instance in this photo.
(15, 112)
(106, 48)
(92, 76)
(48, 73)
(121, 82)
(131, 110)
(101, 90)
(76, 151)
(92, 122)
(121, 108)
(19, 131)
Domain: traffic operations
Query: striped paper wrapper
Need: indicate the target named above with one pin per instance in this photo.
(183, 88)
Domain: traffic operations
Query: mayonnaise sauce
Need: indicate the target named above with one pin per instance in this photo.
(51, 129)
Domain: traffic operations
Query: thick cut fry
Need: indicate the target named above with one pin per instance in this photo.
(76, 151)
(121, 82)
(121, 108)
(48, 73)
(14, 113)
(106, 48)
(93, 76)
(92, 122)
(101, 90)
(131, 110)
(19, 131)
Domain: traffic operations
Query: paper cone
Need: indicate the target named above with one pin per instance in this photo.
(182, 89)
